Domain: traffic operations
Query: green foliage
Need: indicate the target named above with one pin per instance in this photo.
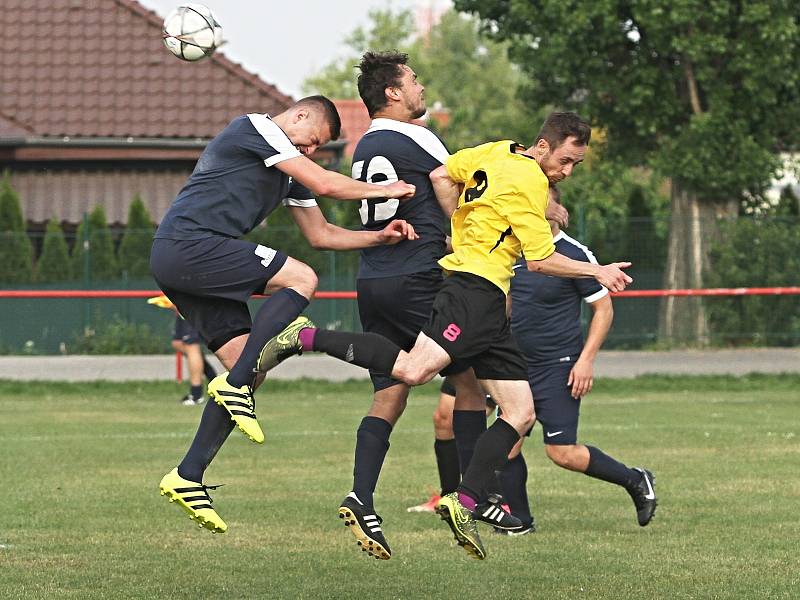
(16, 254)
(705, 90)
(94, 248)
(118, 336)
(388, 30)
(53, 264)
(756, 253)
(134, 249)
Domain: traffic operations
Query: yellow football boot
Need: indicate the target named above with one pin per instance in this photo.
(194, 499)
(462, 524)
(282, 346)
(239, 402)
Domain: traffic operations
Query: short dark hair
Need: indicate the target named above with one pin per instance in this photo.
(558, 126)
(379, 70)
(328, 110)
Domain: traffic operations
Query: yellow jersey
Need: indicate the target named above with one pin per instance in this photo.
(500, 214)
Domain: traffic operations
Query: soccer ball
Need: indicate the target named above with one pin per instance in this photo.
(191, 32)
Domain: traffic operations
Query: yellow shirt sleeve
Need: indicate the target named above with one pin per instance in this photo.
(462, 165)
(525, 211)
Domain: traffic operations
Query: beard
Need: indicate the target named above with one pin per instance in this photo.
(418, 111)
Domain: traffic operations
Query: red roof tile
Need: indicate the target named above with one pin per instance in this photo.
(98, 68)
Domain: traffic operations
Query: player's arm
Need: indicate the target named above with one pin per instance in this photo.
(611, 276)
(323, 235)
(447, 190)
(335, 185)
(581, 377)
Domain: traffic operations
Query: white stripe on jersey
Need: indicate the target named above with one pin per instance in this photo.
(301, 202)
(590, 255)
(275, 137)
(424, 138)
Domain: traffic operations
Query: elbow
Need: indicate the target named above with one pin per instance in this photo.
(324, 188)
(319, 242)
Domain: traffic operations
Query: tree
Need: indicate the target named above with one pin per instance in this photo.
(53, 264)
(94, 248)
(706, 92)
(16, 254)
(134, 249)
(387, 31)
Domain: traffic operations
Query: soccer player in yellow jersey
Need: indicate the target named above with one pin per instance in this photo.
(496, 194)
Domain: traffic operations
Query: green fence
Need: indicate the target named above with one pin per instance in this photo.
(749, 253)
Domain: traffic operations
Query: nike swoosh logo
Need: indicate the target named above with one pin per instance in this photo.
(551, 434)
(651, 495)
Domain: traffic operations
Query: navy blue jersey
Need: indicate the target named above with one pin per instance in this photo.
(390, 151)
(546, 310)
(235, 184)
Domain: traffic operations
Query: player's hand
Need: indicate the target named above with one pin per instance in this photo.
(613, 277)
(556, 212)
(397, 231)
(581, 379)
(399, 189)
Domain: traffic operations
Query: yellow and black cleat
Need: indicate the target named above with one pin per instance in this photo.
(282, 346)
(239, 402)
(194, 499)
(462, 525)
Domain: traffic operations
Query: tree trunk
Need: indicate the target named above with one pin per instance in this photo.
(693, 226)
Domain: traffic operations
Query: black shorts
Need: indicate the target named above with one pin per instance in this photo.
(210, 280)
(556, 409)
(469, 321)
(184, 332)
(397, 308)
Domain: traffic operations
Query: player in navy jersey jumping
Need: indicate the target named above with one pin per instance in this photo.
(396, 285)
(545, 321)
(253, 166)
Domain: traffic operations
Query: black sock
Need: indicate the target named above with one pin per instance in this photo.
(215, 426)
(468, 425)
(275, 314)
(514, 480)
(491, 453)
(209, 371)
(368, 350)
(372, 444)
(447, 463)
(602, 466)
(196, 391)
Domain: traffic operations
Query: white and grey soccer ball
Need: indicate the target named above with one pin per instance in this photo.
(191, 32)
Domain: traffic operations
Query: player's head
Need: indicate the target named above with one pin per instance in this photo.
(386, 82)
(561, 144)
(311, 122)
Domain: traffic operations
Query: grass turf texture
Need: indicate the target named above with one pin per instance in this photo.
(82, 518)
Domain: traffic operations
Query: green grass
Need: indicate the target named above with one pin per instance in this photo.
(80, 514)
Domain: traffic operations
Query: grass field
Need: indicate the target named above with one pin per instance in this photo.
(82, 518)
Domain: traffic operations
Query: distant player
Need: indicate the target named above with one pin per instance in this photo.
(545, 320)
(497, 195)
(187, 341)
(253, 166)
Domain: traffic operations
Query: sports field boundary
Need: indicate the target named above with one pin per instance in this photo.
(616, 364)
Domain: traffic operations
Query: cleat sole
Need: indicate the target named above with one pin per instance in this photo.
(366, 543)
(202, 522)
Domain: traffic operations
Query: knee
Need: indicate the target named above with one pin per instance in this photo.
(563, 456)
(442, 421)
(306, 281)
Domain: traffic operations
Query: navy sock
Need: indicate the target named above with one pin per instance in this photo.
(602, 466)
(275, 314)
(215, 427)
(209, 371)
(513, 481)
(491, 453)
(372, 444)
(368, 350)
(447, 463)
(468, 425)
(196, 391)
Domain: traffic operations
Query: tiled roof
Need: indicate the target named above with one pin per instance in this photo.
(98, 68)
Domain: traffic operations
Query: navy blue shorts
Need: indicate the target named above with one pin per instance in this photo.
(210, 281)
(556, 409)
(397, 308)
(184, 332)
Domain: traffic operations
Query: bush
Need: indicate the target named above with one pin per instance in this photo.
(117, 336)
(16, 251)
(98, 252)
(755, 252)
(134, 249)
(53, 264)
